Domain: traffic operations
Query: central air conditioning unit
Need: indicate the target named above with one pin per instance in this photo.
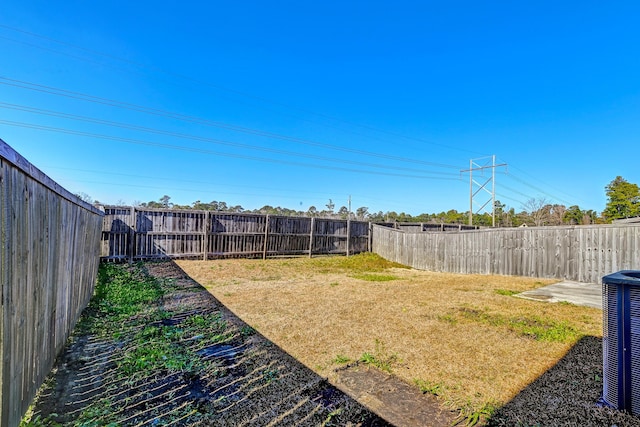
(621, 340)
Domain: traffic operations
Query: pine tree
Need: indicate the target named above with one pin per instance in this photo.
(623, 199)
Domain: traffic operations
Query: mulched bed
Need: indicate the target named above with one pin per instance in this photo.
(566, 395)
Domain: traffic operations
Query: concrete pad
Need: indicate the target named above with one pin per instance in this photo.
(587, 294)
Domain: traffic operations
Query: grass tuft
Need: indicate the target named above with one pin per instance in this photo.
(373, 277)
(540, 329)
(379, 358)
(341, 359)
(435, 388)
(472, 415)
(506, 292)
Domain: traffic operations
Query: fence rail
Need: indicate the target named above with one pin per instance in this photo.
(49, 253)
(578, 253)
(130, 233)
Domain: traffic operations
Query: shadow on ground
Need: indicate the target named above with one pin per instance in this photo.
(242, 379)
(565, 395)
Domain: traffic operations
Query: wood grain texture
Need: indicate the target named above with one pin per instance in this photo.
(49, 255)
(578, 253)
(137, 233)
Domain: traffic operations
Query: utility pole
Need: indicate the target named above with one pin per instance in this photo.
(481, 164)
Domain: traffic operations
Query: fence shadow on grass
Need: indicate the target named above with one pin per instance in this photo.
(565, 395)
(242, 379)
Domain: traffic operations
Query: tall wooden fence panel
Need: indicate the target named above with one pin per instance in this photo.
(136, 233)
(579, 253)
(49, 254)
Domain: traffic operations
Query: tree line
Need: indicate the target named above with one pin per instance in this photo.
(623, 201)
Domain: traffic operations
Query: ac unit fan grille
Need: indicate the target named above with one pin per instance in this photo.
(610, 344)
(634, 348)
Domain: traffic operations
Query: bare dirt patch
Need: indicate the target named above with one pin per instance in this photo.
(464, 338)
(399, 402)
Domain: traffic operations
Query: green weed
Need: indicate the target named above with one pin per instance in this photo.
(122, 291)
(97, 414)
(570, 304)
(531, 326)
(472, 416)
(428, 387)
(448, 318)
(156, 351)
(379, 358)
(38, 421)
(341, 359)
(506, 292)
(331, 415)
(246, 331)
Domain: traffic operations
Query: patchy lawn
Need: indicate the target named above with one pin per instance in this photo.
(158, 350)
(463, 338)
(409, 348)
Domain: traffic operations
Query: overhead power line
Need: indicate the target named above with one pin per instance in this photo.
(208, 152)
(83, 55)
(173, 179)
(128, 126)
(209, 84)
(540, 190)
(199, 120)
(545, 184)
(502, 196)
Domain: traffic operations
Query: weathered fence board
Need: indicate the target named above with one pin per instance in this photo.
(580, 253)
(130, 233)
(49, 257)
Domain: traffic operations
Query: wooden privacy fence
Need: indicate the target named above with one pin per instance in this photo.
(428, 226)
(130, 233)
(49, 255)
(578, 253)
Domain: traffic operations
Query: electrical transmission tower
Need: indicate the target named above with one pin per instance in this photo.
(481, 164)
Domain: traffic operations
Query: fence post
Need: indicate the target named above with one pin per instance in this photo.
(370, 238)
(348, 234)
(313, 224)
(205, 237)
(266, 236)
(133, 228)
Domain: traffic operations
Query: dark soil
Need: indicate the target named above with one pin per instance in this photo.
(566, 395)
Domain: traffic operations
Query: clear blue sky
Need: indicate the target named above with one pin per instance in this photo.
(290, 103)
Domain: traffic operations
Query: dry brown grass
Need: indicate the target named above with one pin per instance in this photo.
(463, 336)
